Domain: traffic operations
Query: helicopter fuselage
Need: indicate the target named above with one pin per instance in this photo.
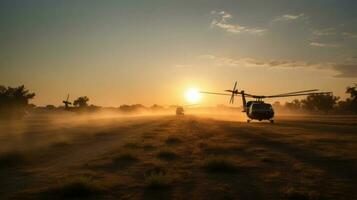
(258, 110)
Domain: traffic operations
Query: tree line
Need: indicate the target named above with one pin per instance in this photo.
(14, 101)
(324, 103)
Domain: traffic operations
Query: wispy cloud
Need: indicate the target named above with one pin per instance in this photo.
(332, 34)
(290, 17)
(349, 35)
(324, 32)
(223, 19)
(344, 70)
(322, 45)
(252, 62)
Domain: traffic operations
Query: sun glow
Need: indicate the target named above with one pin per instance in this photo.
(193, 95)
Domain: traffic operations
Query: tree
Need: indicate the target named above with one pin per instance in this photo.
(319, 102)
(14, 101)
(81, 102)
(352, 101)
(294, 105)
(352, 91)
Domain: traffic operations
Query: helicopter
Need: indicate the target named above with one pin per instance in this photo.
(180, 109)
(258, 109)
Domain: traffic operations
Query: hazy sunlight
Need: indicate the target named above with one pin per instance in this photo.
(193, 95)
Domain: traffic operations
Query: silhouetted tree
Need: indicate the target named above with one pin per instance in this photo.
(294, 105)
(132, 108)
(81, 102)
(319, 102)
(352, 101)
(156, 107)
(14, 101)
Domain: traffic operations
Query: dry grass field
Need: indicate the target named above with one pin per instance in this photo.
(188, 157)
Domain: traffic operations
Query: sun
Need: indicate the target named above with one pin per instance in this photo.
(193, 95)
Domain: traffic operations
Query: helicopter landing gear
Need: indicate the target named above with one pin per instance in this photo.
(271, 121)
(248, 120)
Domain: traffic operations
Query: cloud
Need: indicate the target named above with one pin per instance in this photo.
(223, 21)
(251, 62)
(318, 44)
(349, 35)
(290, 17)
(344, 70)
(324, 32)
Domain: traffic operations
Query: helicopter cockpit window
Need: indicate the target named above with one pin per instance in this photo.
(262, 106)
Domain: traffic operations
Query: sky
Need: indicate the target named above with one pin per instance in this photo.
(127, 52)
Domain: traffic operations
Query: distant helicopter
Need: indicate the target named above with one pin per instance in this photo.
(180, 109)
(258, 109)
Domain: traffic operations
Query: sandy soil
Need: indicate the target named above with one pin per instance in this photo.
(298, 157)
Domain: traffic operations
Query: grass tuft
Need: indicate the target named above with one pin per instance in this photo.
(131, 145)
(11, 159)
(60, 144)
(125, 157)
(220, 165)
(221, 149)
(294, 194)
(79, 187)
(172, 140)
(167, 155)
(156, 178)
(149, 147)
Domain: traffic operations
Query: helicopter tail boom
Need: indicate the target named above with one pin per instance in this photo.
(244, 101)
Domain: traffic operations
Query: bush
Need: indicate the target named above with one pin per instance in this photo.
(11, 159)
(220, 165)
(131, 145)
(156, 178)
(172, 140)
(126, 157)
(79, 187)
(294, 194)
(167, 155)
(14, 101)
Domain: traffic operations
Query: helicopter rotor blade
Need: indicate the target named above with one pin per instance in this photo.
(232, 99)
(215, 93)
(235, 86)
(233, 93)
(302, 94)
(302, 91)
